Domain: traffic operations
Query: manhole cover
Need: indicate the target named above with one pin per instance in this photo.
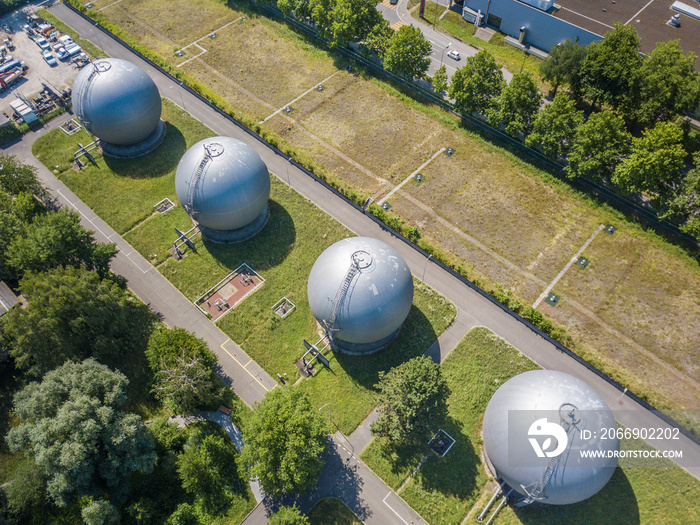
(386, 206)
(610, 229)
(418, 178)
(320, 88)
(449, 152)
(582, 263)
(213, 36)
(552, 299)
(288, 109)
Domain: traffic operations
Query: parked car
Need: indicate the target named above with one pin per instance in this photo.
(50, 60)
(454, 54)
(41, 42)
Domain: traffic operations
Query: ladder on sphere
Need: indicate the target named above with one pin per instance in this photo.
(189, 207)
(342, 291)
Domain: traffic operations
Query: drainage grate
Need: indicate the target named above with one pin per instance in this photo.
(552, 299)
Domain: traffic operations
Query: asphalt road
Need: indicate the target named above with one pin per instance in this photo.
(473, 308)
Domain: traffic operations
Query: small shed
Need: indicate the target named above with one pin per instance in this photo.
(25, 112)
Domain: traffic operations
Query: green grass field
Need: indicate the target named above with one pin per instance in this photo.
(445, 490)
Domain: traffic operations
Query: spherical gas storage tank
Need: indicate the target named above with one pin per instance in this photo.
(117, 101)
(224, 185)
(539, 430)
(360, 290)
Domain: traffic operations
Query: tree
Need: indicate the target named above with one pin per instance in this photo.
(476, 83)
(185, 514)
(26, 495)
(654, 164)
(58, 240)
(288, 516)
(598, 147)
(73, 428)
(555, 127)
(285, 439)
(17, 177)
(440, 80)
(300, 9)
(208, 471)
(517, 105)
(611, 68)
(345, 21)
(377, 40)
(411, 396)
(563, 65)
(669, 84)
(408, 53)
(183, 367)
(100, 512)
(72, 314)
(685, 202)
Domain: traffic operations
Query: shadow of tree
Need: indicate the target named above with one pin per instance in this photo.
(414, 339)
(265, 250)
(616, 503)
(161, 161)
(339, 478)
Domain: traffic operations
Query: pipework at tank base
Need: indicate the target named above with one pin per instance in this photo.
(139, 149)
(345, 347)
(239, 234)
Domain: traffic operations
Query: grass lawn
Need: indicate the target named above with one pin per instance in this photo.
(331, 511)
(445, 490)
(123, 191)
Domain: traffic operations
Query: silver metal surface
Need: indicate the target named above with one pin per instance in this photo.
(378, 295)
(116, 101)
(555, 395)
(222, 183)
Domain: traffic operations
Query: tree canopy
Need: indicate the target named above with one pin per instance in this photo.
(288, 516)
(344, 21)
(564, 65)
(183, 367)
(17, 177)
(475, 84)
(208, 471)
(669, 84)
(73, 428)
(72, 314)
(599, 146)
(555, 127)
(517, 105)
(655, 161)
(57, 239)
(285, 439)
(685, 201)
(441, 81)
(410, 396)
(611, 67)
(408, 53)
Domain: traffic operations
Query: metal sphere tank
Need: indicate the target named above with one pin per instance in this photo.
(520, 434)
(224, 185)
(116, 101)
(360, 290)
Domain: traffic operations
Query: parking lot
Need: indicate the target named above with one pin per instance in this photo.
(60, 76)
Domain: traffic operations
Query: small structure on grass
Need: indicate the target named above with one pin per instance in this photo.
(120, 104)
(360, 290)
(537, 428)
(227, 293)
(224, 185)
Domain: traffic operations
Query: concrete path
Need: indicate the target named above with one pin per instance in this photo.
(355, 485)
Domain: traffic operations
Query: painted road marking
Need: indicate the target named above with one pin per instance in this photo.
(257, 379)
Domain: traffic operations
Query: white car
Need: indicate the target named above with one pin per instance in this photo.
(454, 54)
(41, 42)
(50, 60)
